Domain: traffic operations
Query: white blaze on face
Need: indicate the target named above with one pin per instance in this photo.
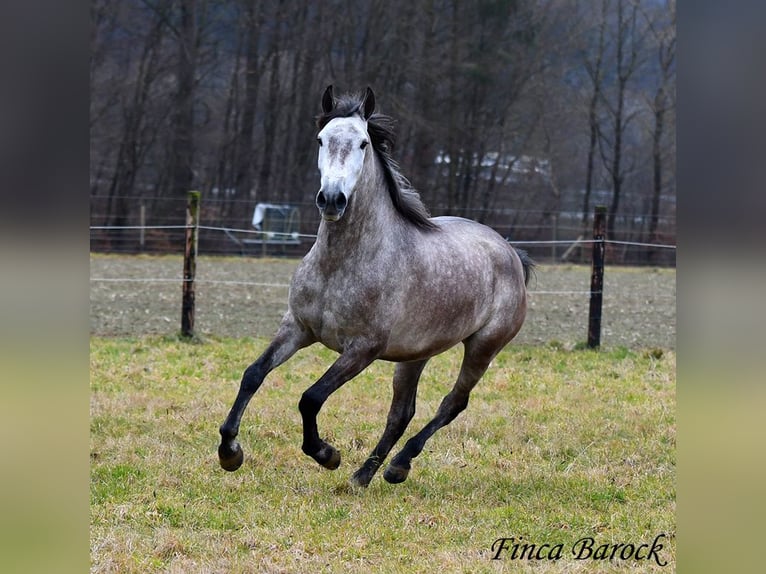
(342, 145)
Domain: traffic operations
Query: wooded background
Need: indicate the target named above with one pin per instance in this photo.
(523, 114)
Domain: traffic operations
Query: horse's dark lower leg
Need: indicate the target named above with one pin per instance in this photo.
(452, 405)
(345, 368)
(284, 345)
(402, 410)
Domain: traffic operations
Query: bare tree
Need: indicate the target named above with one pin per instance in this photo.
(243, 158)
(594, 67)
(138, 132)
(663, 30)
(224, 170)
(627, 59)
(181, 165)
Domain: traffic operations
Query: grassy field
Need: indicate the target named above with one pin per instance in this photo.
(555, 446)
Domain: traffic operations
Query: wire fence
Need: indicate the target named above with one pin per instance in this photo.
(247, 296)
(277, 235)
(271, 235)
(156, 225)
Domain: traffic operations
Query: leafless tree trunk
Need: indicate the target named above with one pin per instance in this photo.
(595, 73)
(134, 141)
(627, 61)
(182, 143)
(243, 180)
(270, 119)
(224, 176)
(662, 105)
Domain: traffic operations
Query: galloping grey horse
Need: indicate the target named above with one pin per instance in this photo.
(385, 281)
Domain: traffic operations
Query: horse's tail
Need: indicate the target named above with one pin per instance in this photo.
(527, 262)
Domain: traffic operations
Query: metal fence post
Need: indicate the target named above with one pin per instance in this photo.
(597, 278)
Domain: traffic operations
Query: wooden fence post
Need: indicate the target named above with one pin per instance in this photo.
(597, 278)
(190, 264)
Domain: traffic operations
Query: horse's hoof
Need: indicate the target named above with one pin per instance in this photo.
(359, 480)
(328, 457)
(230, 456)
(396, 474)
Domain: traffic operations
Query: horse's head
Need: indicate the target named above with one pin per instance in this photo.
(343, 143)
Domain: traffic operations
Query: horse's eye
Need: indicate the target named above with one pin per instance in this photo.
(319, 141)
(364, 144)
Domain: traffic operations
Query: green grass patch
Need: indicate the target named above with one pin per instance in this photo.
(555, 445)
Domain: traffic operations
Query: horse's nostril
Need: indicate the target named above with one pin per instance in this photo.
(321, 200)
(340, 202)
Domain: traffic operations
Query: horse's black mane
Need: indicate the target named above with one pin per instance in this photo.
(381, 130)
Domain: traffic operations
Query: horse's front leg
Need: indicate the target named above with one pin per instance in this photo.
(289, 338)
(345, 368)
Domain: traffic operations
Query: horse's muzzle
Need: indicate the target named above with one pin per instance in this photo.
(331, 204)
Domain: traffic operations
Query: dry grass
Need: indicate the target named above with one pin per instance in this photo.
(556, 445)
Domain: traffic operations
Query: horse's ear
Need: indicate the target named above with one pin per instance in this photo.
(369, 103)
(328, 101)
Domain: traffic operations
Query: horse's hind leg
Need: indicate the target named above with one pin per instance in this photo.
(402, 410)
(288, 340)
(475, 362)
